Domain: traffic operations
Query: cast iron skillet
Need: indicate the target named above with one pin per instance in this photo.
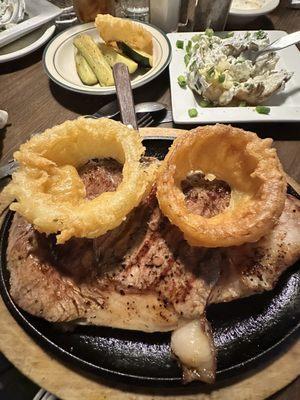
(245, 331)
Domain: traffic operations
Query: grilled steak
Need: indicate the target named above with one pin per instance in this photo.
(144, 266)
(142, 275)
(255, 267)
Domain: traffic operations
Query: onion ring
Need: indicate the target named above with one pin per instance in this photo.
(246, 163)
(49, 191)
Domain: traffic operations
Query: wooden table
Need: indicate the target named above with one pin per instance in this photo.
(34, 103)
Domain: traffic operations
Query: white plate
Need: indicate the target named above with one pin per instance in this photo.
(285, 105)
(269, 6)
(237, 15)
(36, 10)
(59, 60)
(38, 13)
(27, 44)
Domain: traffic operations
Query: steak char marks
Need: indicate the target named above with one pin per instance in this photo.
(145, 260)
(143, 275)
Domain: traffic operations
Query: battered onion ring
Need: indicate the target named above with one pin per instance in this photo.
(241, 159)
(49, 191)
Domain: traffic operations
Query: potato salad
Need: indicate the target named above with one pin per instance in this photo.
(219, 72)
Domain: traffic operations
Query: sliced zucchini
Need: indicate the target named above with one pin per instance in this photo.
(84, 71)
(113, 57)
(91, 52)
(142, 58)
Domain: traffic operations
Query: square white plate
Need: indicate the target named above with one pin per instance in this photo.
(285, 105)
(39, 12)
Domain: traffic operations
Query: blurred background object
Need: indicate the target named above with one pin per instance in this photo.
(197, 15)
(87, 10)
(136, 9)
(211, 14)
(165, 14)
(294, 3)
(244, 11)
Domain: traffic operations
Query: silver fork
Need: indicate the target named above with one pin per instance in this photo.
(7, 169)
(279, 44)
(44, 395)
(145, 120)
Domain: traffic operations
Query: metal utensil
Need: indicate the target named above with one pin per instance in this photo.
(111, 110)
(7, 169)
(282, 43)
(44, 395)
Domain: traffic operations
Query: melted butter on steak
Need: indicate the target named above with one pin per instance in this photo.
(205, 197)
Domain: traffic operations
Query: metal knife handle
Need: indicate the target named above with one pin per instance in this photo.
(124, 95)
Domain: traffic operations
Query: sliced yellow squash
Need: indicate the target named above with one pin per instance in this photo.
(113, 57)
(113, 29)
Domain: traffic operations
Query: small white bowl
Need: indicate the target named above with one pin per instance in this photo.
(241, 16)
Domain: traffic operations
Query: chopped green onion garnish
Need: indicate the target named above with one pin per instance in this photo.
(195, 38)
(221, 78)
(181, 81)
(247, 34)
(211, 72)
(193, 112)
(209, 32)
(260, 34)
(188, 47)
(193, 65)
(242, 104)
(187, 58)
(179, 44)
(229, 34)
(262, 109)
(204, 103)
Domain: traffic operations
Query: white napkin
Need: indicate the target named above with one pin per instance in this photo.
(3, 118)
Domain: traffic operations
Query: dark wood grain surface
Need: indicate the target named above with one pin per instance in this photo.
(124, 95)
(34, 103)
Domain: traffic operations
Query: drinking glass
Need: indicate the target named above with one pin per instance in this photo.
(136, 9)
(165, 14)
(202, 14)
(211, 14)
